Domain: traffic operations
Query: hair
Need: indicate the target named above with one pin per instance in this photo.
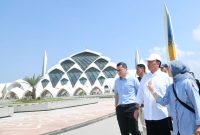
(122, 64)
(192, 73)
(159, 62)
(164, 66)
(141, 66)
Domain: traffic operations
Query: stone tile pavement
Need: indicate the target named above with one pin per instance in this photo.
(54, 121)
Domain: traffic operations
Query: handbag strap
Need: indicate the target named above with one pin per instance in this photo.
(184, 104)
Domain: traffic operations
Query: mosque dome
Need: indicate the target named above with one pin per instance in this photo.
(83, 73)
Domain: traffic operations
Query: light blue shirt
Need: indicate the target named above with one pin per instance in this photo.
(126, 89)
(184, 120)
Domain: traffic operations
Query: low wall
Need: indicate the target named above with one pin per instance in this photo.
(30, 107)
(6, 111)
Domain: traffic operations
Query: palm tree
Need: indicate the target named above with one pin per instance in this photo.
(33, 81)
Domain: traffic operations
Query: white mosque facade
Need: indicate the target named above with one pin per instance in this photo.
(83, 73)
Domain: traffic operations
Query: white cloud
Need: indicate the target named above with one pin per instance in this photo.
(180, 53)
(160, 50)
(194, 66)
(196, 33)
(157, 49)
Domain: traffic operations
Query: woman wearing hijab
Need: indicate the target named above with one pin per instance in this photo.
(185, 122)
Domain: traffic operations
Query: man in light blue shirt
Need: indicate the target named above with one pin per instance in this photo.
(125, 90)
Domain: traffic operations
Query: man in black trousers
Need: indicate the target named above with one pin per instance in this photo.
(125, 93)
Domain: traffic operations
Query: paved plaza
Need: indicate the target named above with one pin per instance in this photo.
(87, 119)
(41, 122)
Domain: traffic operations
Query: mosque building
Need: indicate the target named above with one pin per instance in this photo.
(83, 73)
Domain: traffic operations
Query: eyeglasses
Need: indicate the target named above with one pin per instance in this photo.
(119, 70)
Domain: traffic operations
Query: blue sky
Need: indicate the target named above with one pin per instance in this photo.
(116, 28)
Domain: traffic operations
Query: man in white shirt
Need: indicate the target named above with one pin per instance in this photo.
(156, 116)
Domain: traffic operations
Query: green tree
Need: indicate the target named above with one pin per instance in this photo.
(33, 81)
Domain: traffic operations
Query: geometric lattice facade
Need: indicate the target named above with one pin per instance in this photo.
(83, 73)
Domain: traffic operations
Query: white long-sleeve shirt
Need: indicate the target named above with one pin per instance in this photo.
(153, 110)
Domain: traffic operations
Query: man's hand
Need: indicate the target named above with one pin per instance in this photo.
(136, 114)
(151, 89)
(197, 132)
(150, 86)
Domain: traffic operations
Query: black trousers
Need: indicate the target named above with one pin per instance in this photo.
(158, 127)
(126, 121)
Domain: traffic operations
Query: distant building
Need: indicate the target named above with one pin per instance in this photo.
(84, 73)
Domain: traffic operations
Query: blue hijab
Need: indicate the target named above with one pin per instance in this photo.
(179, 71)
